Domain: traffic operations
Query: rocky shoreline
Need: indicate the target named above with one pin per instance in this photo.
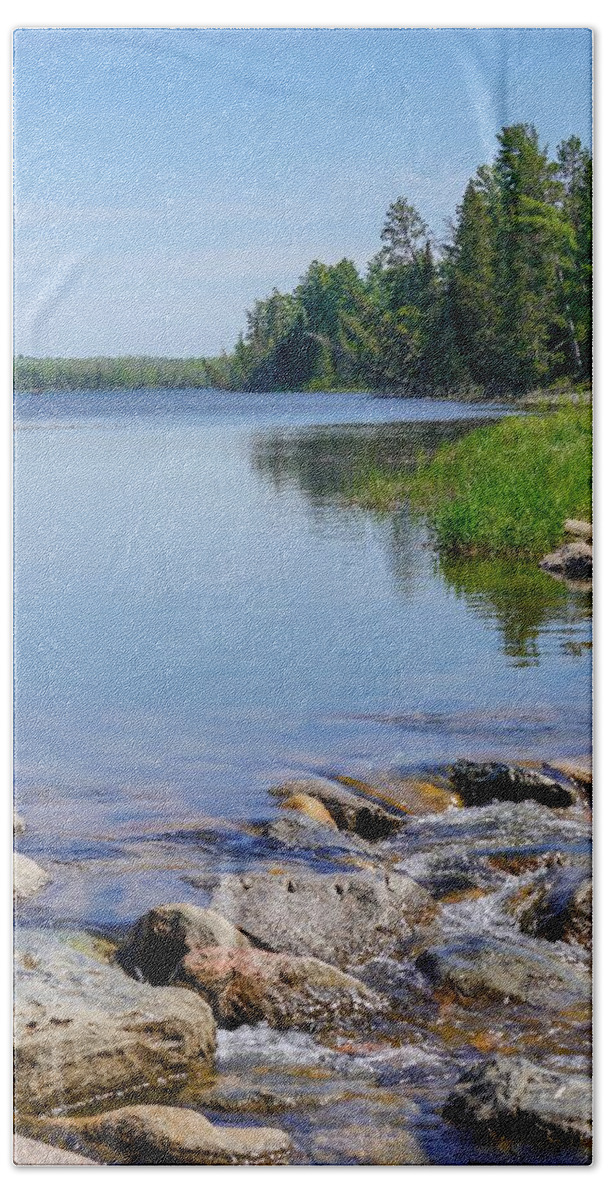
(421, 943)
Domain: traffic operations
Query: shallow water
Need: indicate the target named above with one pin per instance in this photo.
(200, 611)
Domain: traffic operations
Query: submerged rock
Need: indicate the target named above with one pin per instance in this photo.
(350, 812)
(28, 877)
(85, 1031)
(476, 966)
(560, 908)
(337, 917)
(573, 561)
(366, 1145)
(514, 1098)
(489, 782)
(297, 832)
(153, 1134)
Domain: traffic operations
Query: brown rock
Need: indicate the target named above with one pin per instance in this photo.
(581, 531)
(310, 807)
(573, 561)
(28, 1153)
(366, 1145)
(152, 1134)
(156, 945)
(350, 812)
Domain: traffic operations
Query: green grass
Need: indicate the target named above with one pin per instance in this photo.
(504, 488)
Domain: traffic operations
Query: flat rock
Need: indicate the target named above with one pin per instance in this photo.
(28, 1153)
(84, 1031)
(28, 877)
(514, 1098)
(154, 1134)
(350, 812)
(480, 783)
(342, 918)
(476, 966)
(573, 561)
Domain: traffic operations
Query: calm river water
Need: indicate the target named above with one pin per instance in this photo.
(200, 610)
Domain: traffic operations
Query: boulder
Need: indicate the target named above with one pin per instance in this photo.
(366, 1145)
(343, 918)
(287, 991)
(350, 812)
(560, 908)
(28, 1153)
(514, 1098)
(154, 1134)
(573, 561)
(28, 877)
(479, 783)
(85, 1031)
(478, 966)
(243, 984)
(581, 531)
(155, 947)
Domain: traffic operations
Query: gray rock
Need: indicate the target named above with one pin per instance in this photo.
(514, 1098)
(337, 917)
(28, 877)
(18, 824)
(350, 812)
(480, 783)
(581, 531)
(477, 966)
(366, 1145)
(154, 1134)
(573, 561)
(298, 833)
(84, 1031)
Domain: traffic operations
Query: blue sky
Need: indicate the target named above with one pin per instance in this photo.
(165, 179)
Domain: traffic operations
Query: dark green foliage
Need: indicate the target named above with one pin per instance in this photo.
(503, 308)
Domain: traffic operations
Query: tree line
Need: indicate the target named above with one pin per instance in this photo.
(502, 306)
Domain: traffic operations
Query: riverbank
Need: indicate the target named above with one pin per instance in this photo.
(504, 489)
(383, 951)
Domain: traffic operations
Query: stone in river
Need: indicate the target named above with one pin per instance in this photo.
(559, 909)
(514, 1098)
(343, 918)
(28, 1153)
(573, 561)
(350, 812)
(366, 1145)
(311, 807)
(479, 966)
(28, 877)
(85, 1031)
(243, 984)
(480, 783)
(155, 1134)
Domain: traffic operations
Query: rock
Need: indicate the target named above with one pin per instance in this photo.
(155, 947)
(489, 782)
(18, 824)
(573, 561)
(368, 1145)
(338, 917)
(560, 908)
(28, 1153)
(350, 812)
(153, 1134)
(85, 1031)
(514, 1098)
(286, 991)
(476, 966)
(409, 794)
(28, 877)
(581, 531)
(299, 833)
(243, 984)
(309, 807)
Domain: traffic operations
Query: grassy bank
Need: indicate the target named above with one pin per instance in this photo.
(507, 487)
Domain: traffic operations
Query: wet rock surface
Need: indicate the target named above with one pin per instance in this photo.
(350, 812)
(154, 1134)
(572, 561)
(337, 917)
(559, 908)
(519, 1099)
(28, 877)
(478, 966)
(85, 1031)
(489, 783)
